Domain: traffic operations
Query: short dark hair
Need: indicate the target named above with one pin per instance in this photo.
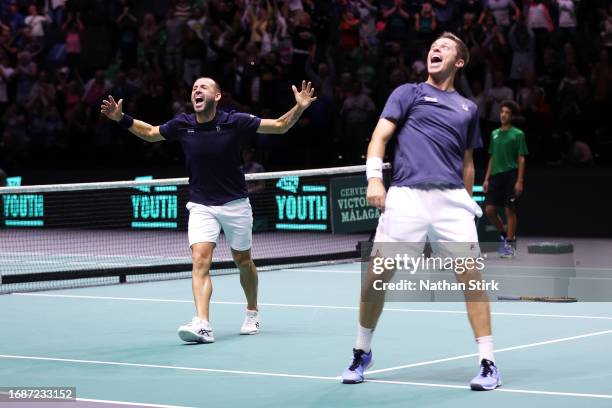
(513, 106)
(215, 82)
(2, 178)
(463, 51)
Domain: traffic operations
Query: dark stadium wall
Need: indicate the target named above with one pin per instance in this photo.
(565, 202)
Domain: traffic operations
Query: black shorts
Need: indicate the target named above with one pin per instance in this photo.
(501, 189)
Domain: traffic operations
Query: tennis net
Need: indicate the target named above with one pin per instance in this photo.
(73, 235)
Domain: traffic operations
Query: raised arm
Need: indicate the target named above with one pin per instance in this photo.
(114, 111)
(384, 131)
(303, 99)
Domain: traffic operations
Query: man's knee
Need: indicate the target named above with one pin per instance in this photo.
(243, 261)
(491, 211)
(201, 261)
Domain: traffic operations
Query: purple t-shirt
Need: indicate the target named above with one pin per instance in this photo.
(212, 154)
(435, 128)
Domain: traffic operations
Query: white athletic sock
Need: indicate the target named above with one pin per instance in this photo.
(485, 348)
(364, 339)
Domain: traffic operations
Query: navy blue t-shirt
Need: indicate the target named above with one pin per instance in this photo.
(435, 128)
(212, 154)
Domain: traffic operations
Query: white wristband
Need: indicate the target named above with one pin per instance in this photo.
(374, 167)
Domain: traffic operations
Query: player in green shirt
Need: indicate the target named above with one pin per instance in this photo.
(503, 182)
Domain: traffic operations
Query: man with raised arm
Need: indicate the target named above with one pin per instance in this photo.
(217, 189)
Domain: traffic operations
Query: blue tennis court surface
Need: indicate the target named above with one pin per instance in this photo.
(119, 343)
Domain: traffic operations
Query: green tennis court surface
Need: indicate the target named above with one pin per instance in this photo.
(119, 343)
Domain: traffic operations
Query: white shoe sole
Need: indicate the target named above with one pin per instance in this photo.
(348, 381)
(479, 387)
(191, 337)
(249, 333)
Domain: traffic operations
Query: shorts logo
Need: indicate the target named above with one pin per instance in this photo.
(190, 130)
(430, 99)
(218, 128)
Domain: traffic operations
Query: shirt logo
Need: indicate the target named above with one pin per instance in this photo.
(430, 99)
(465, 107)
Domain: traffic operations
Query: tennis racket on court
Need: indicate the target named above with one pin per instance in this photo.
(550, 299)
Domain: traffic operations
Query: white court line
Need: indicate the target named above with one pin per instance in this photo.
(138, 404)
(510, 390)
(309, 377)
(524, 346)
(208, 370)
(302, 306)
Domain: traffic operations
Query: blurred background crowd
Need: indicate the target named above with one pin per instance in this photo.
(58, 58)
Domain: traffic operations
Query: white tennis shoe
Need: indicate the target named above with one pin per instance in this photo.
(251, 323)
(197, 331)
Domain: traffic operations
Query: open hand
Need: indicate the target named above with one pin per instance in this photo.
(304, 97)
(113, 110)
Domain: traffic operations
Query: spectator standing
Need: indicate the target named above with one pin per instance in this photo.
(303, 39)
(503, 11)
(35, 23)
(426, 24)
(522, 41)
(16, 20)
(174, 34)
(567, 20)
(73, 28)
(42, 94)
(148, 35)
(541, 24)
(56, 9)
(7, 74)
(368, 12)
(397, 21)
(25, 72)
(127, 25)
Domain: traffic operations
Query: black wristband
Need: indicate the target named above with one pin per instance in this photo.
(126, 121)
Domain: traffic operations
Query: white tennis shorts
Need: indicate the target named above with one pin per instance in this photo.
(235, 218)
(443, 216)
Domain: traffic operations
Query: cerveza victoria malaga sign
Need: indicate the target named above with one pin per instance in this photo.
(154, 207)
(301, 207)
(22, 210)
(350, 209)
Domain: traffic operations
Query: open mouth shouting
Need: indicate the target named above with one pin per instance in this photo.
(199, 102)
(436, 61)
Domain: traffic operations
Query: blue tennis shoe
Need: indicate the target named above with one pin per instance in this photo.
(353, 374)
(488, 378)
